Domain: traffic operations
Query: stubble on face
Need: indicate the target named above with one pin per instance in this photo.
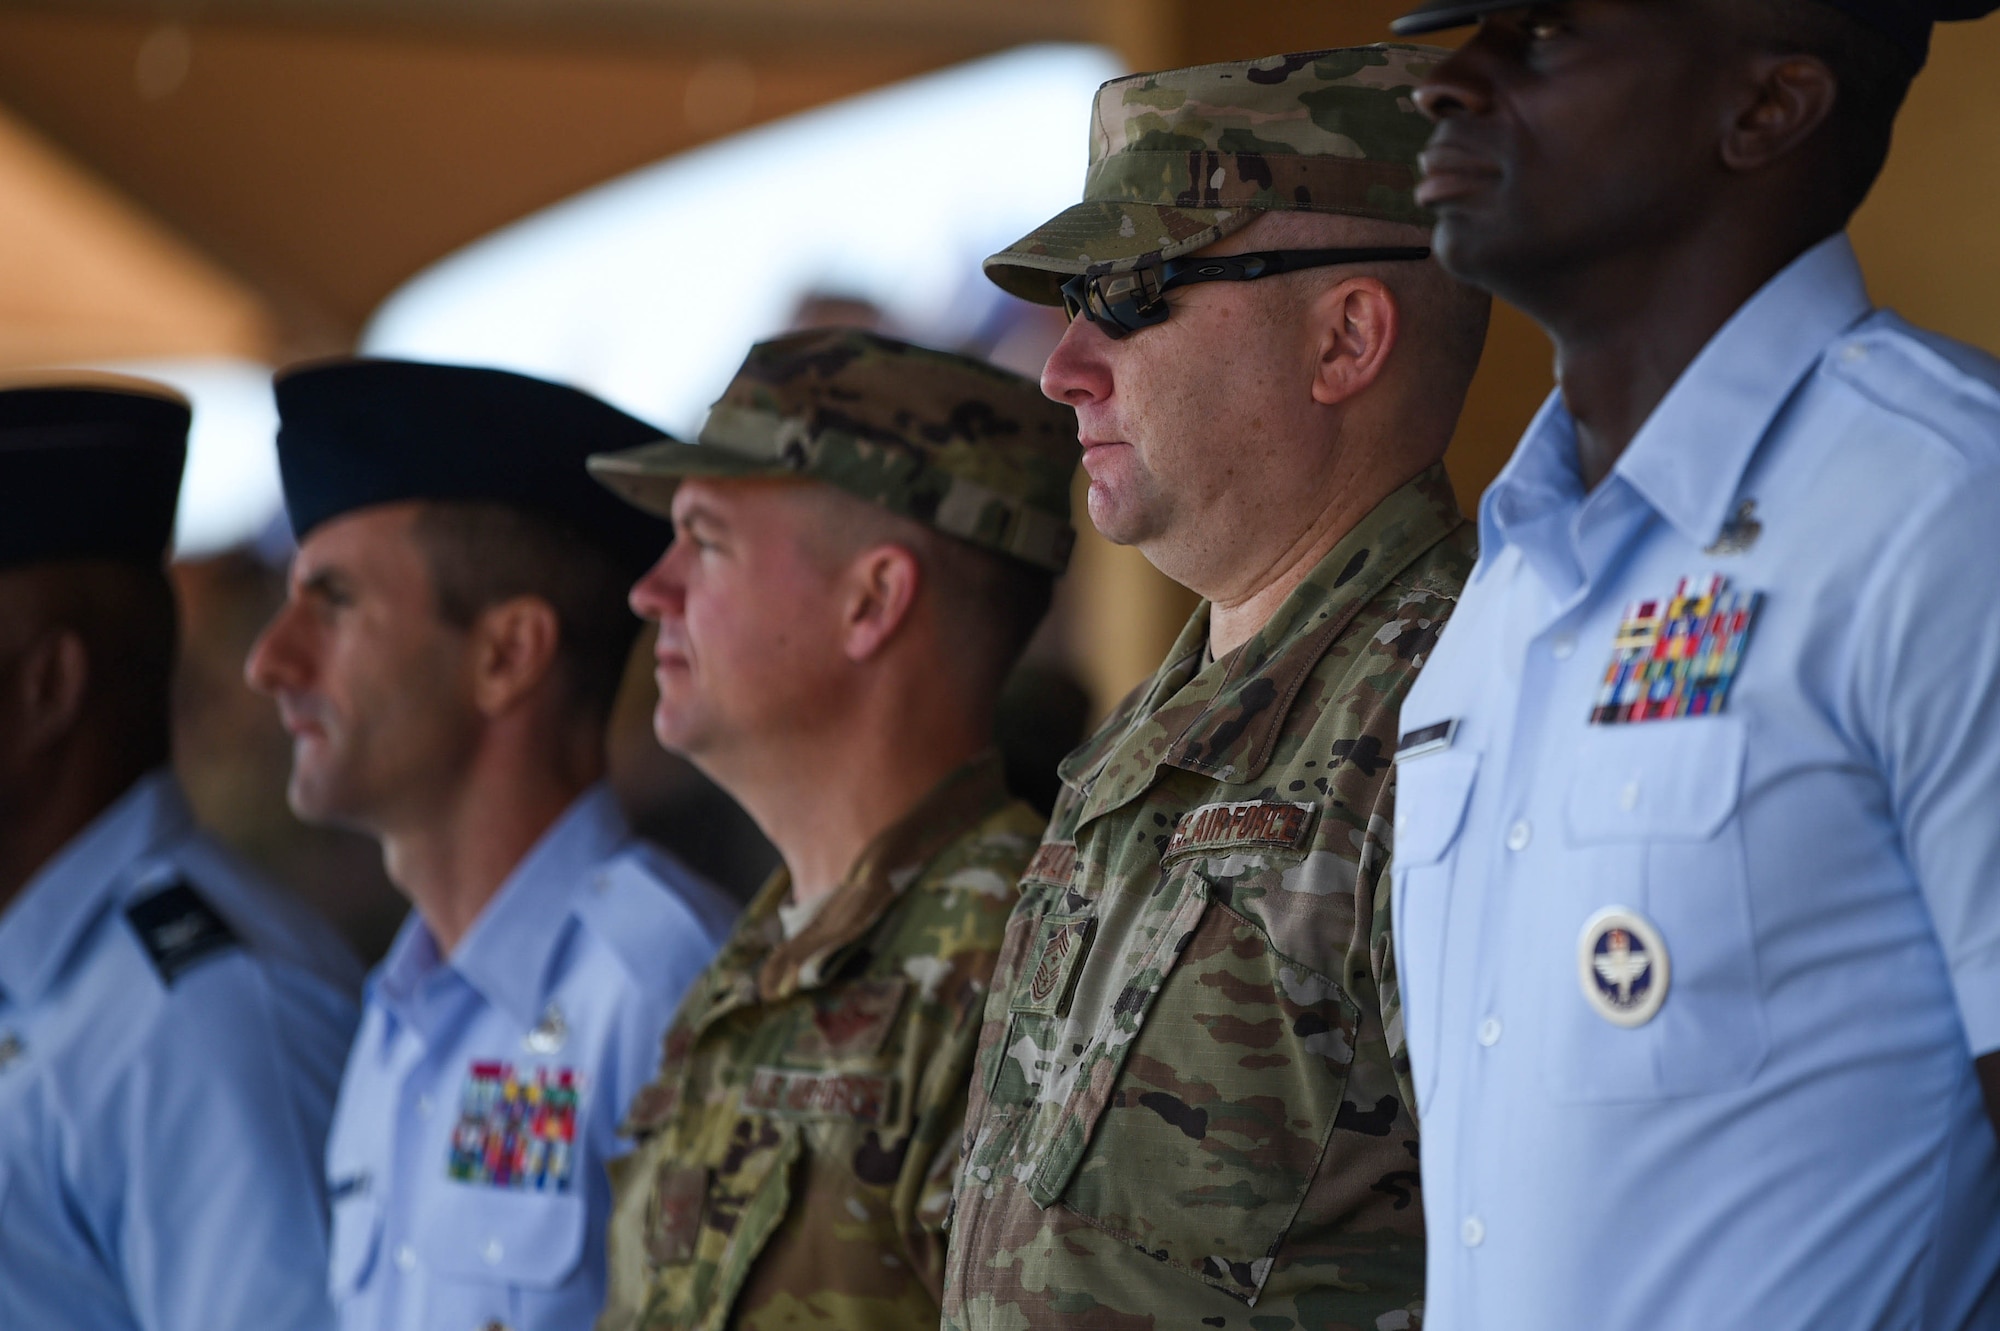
(743, 604)
(378, 701)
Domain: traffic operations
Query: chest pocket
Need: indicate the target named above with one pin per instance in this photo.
(492, 1236)
(1653, 823)
(1194, 1126)
(1432, 793)
(705, 1226)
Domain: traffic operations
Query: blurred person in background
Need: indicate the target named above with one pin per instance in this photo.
(1698, 870)
(171, 1028)
(1192, 1105)
(866, 536)
(454, 638)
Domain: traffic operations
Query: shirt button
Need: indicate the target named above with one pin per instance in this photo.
(1519, 835)
(1853, 352)
(1489, 1032)
(1564, 646)
(1473, 1231)
(406, 1258)
(492, 1252)
(424, 1106)
(1628, 798)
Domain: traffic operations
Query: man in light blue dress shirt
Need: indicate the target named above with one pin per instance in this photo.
(1697, 879)
(453, 640)
(171, 1028)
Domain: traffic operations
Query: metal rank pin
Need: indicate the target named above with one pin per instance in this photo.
(1623, 966)
(11, 1050)
(1677, 656)
(549, 1034)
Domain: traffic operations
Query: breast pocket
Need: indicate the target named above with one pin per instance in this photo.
(1216, 1111)
(1432, 793)
(1655, 833)
(357, 1233)
(705, 1225)
(488, 1249)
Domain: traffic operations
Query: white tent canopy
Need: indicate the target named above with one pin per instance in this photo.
(649, 290)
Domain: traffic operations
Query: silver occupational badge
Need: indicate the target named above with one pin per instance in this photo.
(1739, 533)
(1622, 964)
(548, 1034)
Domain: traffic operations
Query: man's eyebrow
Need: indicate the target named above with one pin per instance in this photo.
(699, 514)
(327, 583)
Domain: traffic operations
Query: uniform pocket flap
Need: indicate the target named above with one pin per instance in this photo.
(1431, 795)
(357, 1232)
(533, 1239)
(1657, 781)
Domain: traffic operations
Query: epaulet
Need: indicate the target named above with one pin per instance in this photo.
(178, 929)
(1949, 390)
(635, 914)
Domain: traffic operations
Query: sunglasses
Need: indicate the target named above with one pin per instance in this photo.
(1122, 303)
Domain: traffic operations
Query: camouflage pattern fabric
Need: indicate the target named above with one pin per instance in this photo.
(1182, 158)
(797, 1150)
(949, 441)
(1192, 1104)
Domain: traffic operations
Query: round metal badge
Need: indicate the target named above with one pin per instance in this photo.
(1622, 964)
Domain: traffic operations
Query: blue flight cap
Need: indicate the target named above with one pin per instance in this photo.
(356, 433)
(90, 468)
(1905, 22)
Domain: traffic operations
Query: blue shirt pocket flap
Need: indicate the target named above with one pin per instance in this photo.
(1674, 780)
(1431, 795)
(530, 1239)
(357, 1232)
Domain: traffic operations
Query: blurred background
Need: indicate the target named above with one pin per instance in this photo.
(624, 194)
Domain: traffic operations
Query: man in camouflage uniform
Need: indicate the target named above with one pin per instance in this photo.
(1192, 1105)
(867, 533)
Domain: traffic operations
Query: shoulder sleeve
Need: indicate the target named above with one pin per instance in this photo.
(1925, 692)
(661, 942)
(221, 1124)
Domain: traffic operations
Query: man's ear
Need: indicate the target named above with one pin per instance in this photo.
(50, 680)
(1357, 324)
(514, 646)
(1791, 96)
(878, 593)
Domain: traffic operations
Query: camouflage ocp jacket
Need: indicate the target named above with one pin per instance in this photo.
(797, 1149)
(1192, 1104)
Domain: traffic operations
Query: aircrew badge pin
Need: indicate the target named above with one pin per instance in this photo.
(1622, 964)
(516, 1129)
(1677, 656)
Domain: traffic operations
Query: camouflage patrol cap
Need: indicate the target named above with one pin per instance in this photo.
(1182, 158)
(952, 442)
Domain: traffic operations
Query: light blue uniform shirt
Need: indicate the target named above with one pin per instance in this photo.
(171, 1034)
(483, 1097)
(1794, 1140)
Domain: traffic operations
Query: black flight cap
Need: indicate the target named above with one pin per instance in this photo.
(355, 433)
(90, 468)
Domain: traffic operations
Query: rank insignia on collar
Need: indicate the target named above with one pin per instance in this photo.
(1678, 656)
(1622, 964)
(516, 1129)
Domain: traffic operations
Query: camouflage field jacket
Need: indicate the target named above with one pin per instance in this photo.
(797, 1150)
(1192, 1104)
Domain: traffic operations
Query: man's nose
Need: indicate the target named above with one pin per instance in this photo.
(1076, 372)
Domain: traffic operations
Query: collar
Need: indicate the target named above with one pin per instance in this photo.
(44, 925)
(1689, 459)
(508, 956)
(1224, 719)
(885, 869)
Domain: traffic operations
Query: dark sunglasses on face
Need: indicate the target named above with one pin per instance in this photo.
(1122, 303)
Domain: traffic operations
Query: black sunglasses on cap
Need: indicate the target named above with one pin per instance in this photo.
(1122, 303)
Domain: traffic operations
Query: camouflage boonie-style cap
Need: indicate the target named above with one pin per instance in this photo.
(1182, 158)
(955, 443)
